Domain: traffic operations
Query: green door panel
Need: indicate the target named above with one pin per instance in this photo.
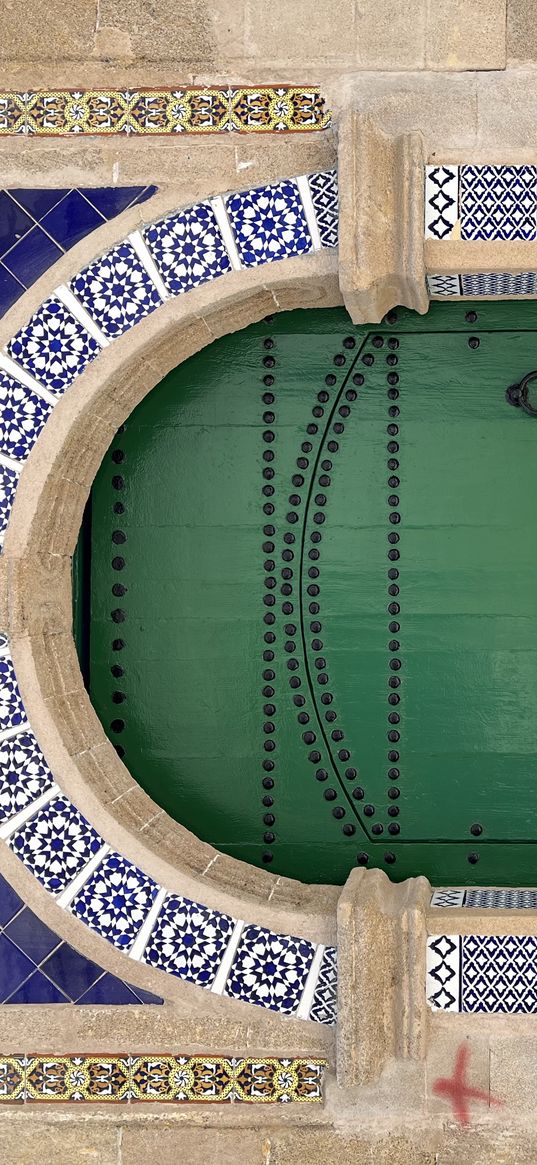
(304, 602)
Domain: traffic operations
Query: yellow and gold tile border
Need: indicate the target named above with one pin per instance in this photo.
(264, 109)
(152, 1077)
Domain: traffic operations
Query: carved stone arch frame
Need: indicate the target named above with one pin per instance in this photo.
(380, 928)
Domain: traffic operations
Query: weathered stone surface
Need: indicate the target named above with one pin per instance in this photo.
(381, 960)
(69, 35)
(521, 30)
(466, 36)
(158, 33)
(380, 220)
(391, 35)
(291, 35)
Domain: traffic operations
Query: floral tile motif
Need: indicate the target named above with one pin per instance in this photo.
(441, 201)
(22, 416)
(9, 479)
(163, 111)
(56, 844)
(269, 223)
(24, 774)
(115, 900)
(324, 1004)
(489, 898)
(270, 969)
(54, 347)
(36, 966)
(168, 1078)
(188, 248)
(324, 194)
(498, 202)
(116, 290)
(189, 940)
(12, 712)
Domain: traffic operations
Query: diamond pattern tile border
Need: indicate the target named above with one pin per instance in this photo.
(169, 1078)
(489, 974)
(488, 898)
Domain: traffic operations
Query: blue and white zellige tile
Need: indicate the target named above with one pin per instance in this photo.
(188, 248)
(115, 900)
(189, 940)
(116, 290)
(53, 347)
(269, 223)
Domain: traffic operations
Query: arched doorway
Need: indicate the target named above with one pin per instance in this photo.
(308, 623)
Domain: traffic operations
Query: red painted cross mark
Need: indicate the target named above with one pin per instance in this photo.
(455, 1088)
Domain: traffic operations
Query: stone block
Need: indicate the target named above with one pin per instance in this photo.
(391, 36)
(83, 1142)
(521, 30)
(300, 34)
(382, 1010)
(198, 1146)
(466, 36)
(513, 1070)
(69, 31)
(158, 33)
(380, 219)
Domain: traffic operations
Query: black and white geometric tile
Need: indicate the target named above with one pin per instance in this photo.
(441, 201)
(498, 202)
(490, 974)
(486, 898)
(444, 285)
(443, 972)
(324, 1005)
(500, 283)
(324, 194)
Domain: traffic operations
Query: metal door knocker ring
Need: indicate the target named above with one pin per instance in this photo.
(517, 395)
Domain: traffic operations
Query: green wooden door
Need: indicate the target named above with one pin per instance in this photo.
(313, 566)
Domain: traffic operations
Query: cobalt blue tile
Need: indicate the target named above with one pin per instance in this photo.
(111, 200)
(10, 903)
(34, 254)
(72, 972)
(10, 289)
(109, 990)
(32, 936)
(37, 989)
(145, 996)
(147, 192)
(14, 222)
(71, 220)
(15, 967)
(37, 201)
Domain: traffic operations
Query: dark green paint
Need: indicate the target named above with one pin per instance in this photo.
(193, 629)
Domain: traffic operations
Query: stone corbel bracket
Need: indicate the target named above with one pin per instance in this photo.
(382, 1008)
(381, 245)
